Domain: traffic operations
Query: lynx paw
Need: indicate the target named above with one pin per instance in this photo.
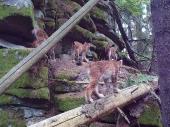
(100, 95)
(91, 100)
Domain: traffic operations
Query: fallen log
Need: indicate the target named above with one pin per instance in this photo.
(101, 107)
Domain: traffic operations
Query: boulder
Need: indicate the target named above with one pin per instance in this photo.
(17, 21)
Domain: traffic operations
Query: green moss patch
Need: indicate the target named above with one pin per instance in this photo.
(67, 74)
(9, 58)
(99, 42)
(6, 121)
(66, 104)
(5, 99)
(42, 93)
(98, 13)
(138, 79)
(151, 116)
(11, 10)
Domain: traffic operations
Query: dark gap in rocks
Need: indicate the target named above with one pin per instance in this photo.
(17, 30)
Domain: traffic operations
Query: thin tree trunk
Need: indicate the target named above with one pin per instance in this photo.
(161, 30)
(122, 31)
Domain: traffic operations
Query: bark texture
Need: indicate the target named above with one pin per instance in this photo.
(161, 29)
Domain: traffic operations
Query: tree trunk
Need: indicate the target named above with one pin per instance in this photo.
(161, 27)
(122, 31)
(154, 62)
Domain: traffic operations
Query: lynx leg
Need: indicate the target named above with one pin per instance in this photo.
(115, 85)
(84, 57)
(97, 92)
(88, 92)
(109, 55)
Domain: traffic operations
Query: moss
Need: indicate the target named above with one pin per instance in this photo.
(5, 99)
(11, 10)
(85, 33)
(6, 121)
(9, 58)
(22, 82)
(98, 13)
(12, 57)
(99, 42)
(42, 93)
(151, 116)
(138, 79)
(65, 76)
(3, 119)
(66, 104)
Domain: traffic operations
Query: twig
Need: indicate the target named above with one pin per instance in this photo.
(156, 96)
(123, 115)
(117, 123)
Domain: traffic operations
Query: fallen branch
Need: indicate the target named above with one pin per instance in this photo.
(123, 115)
(101, 107)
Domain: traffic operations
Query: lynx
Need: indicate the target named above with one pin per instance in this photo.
(102, 70)
(81, 50)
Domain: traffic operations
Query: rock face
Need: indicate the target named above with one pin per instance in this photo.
(33, 86)
(91, 28)
(16, 21)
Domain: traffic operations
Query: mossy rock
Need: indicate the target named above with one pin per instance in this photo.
(68, 101)
(68, 104)
(6, 120)
(151, 116)
(138, 79)
(6, 11)
(99, 42)
(68, 75)
(67, 86)
(98, 13)
(12, 57)
(42, 93)
(6, 99)
(9, 58)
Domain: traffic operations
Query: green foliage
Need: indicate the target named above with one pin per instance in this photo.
(133, 6)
